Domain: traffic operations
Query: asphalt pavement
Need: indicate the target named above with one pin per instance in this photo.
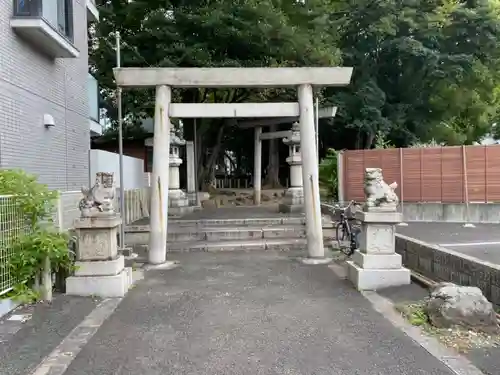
(481, 241)
(249, 313)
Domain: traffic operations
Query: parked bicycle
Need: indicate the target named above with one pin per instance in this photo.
(347, 230)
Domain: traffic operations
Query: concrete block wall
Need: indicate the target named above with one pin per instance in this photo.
(441, 264)
(452, 212)
(443, 212)
(31, 85)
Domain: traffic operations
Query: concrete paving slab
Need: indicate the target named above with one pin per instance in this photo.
(482, 242)
(249, 313)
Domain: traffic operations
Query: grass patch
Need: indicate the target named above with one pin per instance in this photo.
(414, 313)
(457, 337)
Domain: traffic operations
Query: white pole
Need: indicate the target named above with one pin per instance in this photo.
(120, 145)
(157, 253)
(401, 188)
(196, 183)
(257, 168)
(316, 126)
(468, 224)
(340, 177)
(312, 208)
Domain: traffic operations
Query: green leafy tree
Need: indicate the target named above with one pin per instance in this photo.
(236, 33)
(328, 175)
(423, 70)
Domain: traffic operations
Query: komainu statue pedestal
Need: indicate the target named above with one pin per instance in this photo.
(100, 271)
(376, 265)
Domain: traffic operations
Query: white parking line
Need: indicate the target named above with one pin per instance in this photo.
(463, 244)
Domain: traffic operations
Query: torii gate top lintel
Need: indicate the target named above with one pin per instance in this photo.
(232, 77)
(303, 79)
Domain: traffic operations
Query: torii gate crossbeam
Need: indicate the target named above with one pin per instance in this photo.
(164, 79)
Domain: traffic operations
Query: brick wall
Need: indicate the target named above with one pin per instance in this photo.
(32, 85)
(440, 264)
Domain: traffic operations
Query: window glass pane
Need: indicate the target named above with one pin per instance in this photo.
(49, 11)
(61, 16)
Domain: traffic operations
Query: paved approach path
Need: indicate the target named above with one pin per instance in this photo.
(249, 313)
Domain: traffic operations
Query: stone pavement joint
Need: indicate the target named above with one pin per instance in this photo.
(58, 361)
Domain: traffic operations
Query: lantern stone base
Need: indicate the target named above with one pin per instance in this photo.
(178, 203)
(376, 265)
(293, 201)
(191, 197)
(100, 271)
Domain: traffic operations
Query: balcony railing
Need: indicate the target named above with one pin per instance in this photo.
(57, 13)
(92, 11)
(93, 96)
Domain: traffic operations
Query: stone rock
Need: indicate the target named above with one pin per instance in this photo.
(209, 203)
(265, 198)
(449, 305)
(226, 192)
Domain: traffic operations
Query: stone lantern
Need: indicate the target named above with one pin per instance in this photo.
(293, 201)
(177, 201)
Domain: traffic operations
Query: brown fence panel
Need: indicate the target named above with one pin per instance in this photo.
(452, 170)
(475, 157)
(391, 167)
(412, 175)
(493, 173)
(355, 163)
(431, 182)
(354, 175)
(434, 174)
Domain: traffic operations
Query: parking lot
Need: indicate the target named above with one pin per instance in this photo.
(482, 241)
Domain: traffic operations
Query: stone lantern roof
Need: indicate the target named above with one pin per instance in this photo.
(294, 138)
(175, 140)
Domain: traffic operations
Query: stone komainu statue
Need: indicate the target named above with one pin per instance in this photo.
(98, 200)
(379, 195)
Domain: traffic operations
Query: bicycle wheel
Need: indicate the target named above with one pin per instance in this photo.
(343, 235)
(355, 233)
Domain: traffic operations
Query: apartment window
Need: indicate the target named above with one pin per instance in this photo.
(65, 17)
(57, 13)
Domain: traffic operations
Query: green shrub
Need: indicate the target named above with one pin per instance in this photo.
(27, 230)
(328, 174)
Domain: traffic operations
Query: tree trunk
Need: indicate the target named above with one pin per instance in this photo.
(200, 160)
(231, 161)
(272, 176)
(208, 175)
(370, 137)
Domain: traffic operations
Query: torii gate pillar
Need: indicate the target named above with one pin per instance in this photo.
(165, 78)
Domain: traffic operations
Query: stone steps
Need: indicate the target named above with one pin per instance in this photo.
(234, 222)
(224, 233)
(241, 245)
(282, 233)
(284, 244)
(182, 234)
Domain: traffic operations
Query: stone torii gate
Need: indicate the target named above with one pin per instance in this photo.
(258, 124)
(164, 79)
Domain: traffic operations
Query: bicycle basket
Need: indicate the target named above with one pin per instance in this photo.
(349, 212)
